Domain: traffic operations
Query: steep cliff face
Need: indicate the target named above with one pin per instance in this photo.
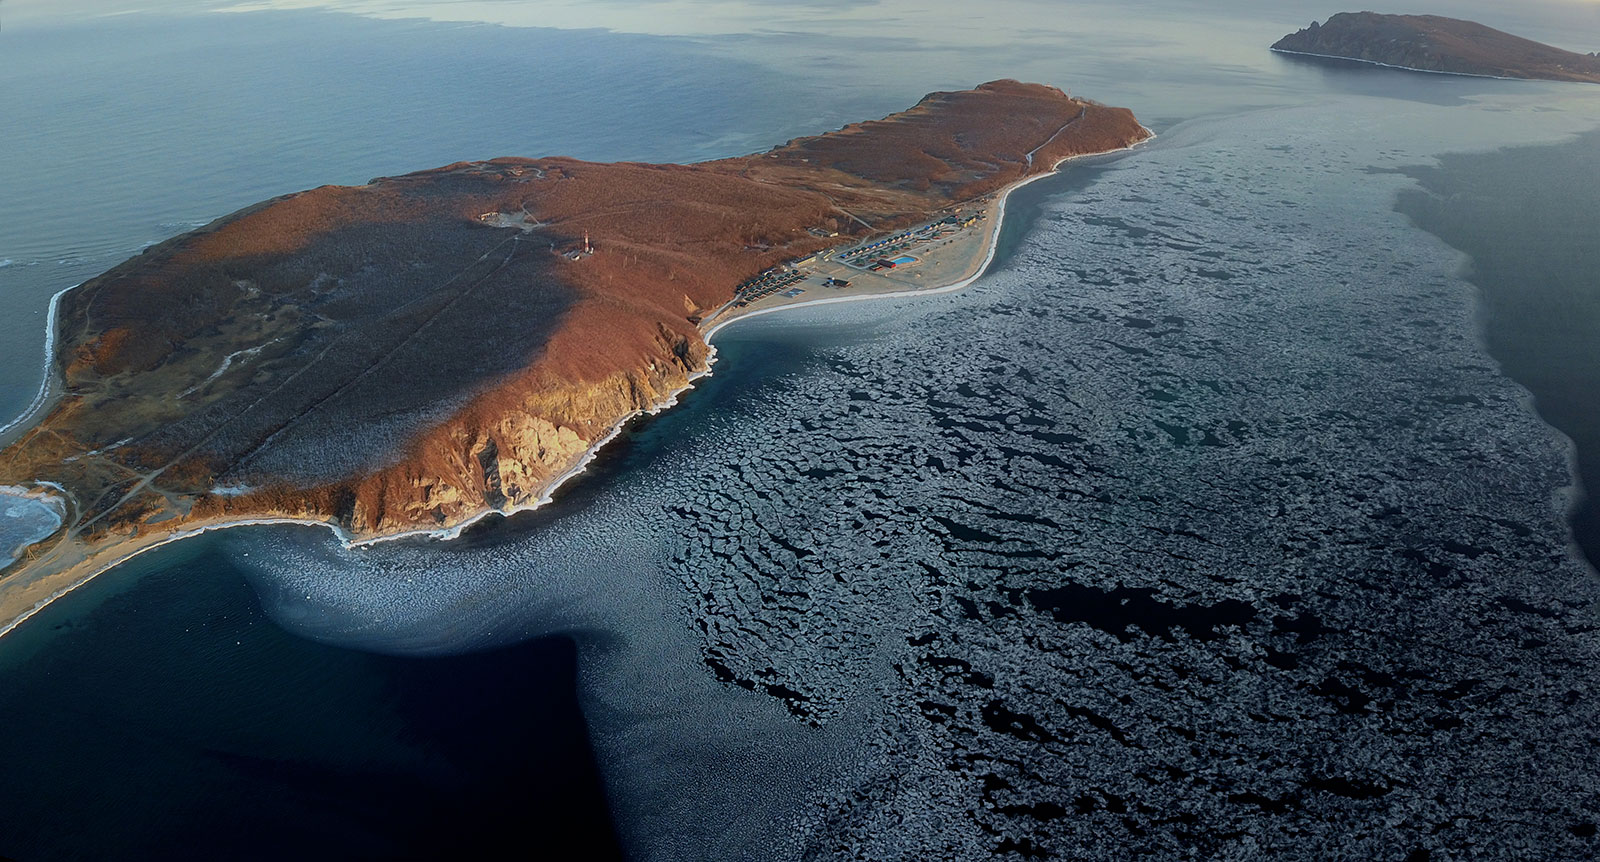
(1435, 44)
(502, 452)
(413, 352)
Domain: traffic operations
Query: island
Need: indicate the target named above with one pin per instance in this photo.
(410, 355)
(1429, 43)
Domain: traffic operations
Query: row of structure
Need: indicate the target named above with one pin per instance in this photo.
(881, 254)
(766, 284)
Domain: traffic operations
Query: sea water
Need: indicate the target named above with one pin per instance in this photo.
(24, 519)
(1204, 504)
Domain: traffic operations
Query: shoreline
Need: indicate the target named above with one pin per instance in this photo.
(137, 546)
(1409, 68)
(43, 396)
(993, 245)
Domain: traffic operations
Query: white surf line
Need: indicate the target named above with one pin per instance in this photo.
(548, 494)
(344, 539)
(671, 399)
(446, 534)
(175, 537)
(23, 493)
(43, 394)
(1402, 68)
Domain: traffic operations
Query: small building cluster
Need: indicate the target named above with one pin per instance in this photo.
(888, 253)
(856, 255)
(766, 284)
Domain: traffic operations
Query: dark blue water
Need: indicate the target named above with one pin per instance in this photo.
(1525, 216)
(164, 716)
(125, 132)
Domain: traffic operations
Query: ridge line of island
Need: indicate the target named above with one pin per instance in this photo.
(454, 532)
(876, 186)
(1438, 45)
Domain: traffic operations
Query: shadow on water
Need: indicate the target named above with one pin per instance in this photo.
(164, 716)
(1525, 217)
(1357, 78)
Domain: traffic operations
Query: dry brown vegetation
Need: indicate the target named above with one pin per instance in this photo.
(379, 357)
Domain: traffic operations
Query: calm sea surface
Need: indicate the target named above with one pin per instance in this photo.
(1232, 341)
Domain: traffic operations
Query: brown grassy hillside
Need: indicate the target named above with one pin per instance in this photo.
(410, 352)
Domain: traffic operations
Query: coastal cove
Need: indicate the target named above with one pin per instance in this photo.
(26, 517)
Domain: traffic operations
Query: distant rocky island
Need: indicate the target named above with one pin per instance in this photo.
(413, 353)
(1429, 43)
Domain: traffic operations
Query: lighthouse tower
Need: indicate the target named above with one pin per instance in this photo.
(588, 248)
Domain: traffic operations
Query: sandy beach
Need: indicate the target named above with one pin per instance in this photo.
(960, 267)
(54, 570)
(45, 398)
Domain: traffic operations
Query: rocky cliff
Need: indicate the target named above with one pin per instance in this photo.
(1434, 44)
(411, 353)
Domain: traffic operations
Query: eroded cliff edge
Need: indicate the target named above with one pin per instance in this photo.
(410, 353)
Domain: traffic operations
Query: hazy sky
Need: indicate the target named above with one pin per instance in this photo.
(1570, 23)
